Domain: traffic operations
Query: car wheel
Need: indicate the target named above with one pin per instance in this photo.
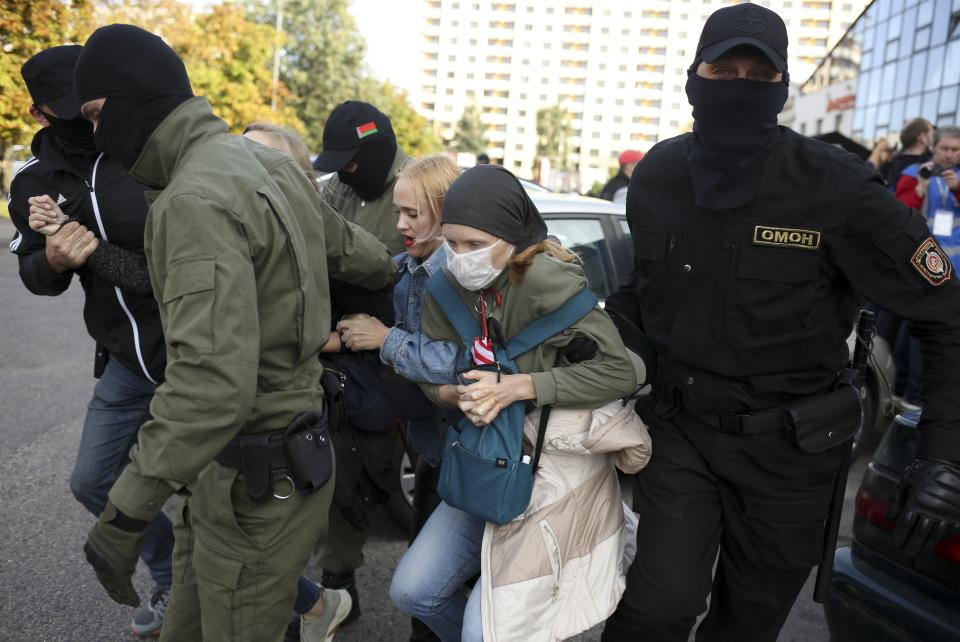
(400, 506)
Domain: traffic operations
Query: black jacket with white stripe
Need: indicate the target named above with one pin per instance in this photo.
(99, 194)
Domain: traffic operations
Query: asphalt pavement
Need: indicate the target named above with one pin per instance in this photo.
(47, 592)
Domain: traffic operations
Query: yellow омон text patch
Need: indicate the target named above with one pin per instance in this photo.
(786, 237)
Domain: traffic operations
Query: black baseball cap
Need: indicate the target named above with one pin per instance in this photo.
(350, 125)
(744, 24)
(49, 79)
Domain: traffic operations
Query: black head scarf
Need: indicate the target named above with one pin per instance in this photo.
(734, 122)
(491, 199)
(143, 81)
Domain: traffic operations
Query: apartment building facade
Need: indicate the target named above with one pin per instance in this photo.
(616, 67)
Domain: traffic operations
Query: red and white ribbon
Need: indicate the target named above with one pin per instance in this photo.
(482, 351)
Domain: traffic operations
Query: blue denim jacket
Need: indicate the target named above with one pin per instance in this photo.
(414, 356)
(410, 354)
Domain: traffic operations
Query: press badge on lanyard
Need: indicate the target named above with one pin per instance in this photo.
(943, 223)
(482, 350)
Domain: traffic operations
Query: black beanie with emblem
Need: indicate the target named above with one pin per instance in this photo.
(491, 199)
(744, 24)
(142, 79)
(357, 132)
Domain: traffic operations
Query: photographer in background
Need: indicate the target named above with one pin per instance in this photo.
(930, 186)
(934, 189)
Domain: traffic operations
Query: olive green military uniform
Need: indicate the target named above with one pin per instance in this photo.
(239, 249)
(547, 284)
(378, 216)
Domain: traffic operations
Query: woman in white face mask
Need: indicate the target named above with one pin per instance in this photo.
(553, 571)
(474, 257)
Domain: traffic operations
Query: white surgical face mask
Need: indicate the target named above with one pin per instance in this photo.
(473, 270)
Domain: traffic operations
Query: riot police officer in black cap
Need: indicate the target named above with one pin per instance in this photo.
(751, 244)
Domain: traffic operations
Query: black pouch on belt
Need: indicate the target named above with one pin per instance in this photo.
(821, 422)
(255, 465)
(308, 452)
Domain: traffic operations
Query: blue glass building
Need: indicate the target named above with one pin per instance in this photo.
(905, 55)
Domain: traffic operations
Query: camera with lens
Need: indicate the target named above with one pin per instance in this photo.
(927, 171)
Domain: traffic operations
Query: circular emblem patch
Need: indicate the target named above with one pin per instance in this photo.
(932, 264)
(749, 20)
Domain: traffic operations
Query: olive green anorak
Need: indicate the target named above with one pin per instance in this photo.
(546, 285)
(239, 249)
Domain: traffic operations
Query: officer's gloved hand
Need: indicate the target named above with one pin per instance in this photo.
(926, 505)
(112, 548)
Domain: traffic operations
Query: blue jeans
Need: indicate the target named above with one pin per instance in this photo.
(307, 595)
(120, 405)
(428, 582)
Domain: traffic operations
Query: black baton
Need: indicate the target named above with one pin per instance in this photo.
(865, 330)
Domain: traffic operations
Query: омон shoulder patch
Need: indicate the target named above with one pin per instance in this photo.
(932, 263)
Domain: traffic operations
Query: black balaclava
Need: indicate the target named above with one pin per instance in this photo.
(491, 199)
(374, 161)
(75, 135)
(734, 122)
(143, 81)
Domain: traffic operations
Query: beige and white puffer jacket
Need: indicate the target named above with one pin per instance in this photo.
(560, 567)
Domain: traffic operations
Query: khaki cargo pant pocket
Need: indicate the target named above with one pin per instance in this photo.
(218, 575)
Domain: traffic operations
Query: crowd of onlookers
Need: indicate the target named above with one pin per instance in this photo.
(923, 173)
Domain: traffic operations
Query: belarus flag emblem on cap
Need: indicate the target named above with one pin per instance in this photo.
(367, 129)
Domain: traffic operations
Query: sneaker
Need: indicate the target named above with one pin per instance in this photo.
(148, 619)
(347, 581)
(906, 404)
(336, 608)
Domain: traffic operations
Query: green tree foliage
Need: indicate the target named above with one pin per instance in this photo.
(322, 57)
(414, 133)
(26, 28)
(595, 189)
(228, 49)
(470, 130)
(553, 133)
(228, 57)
